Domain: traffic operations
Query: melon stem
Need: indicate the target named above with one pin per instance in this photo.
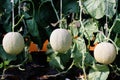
(13, 21)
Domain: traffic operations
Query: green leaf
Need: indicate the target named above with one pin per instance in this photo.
(111, 8)
(1, 65)
(38, 34)
(46, 14)
(116, 25)
(98, 72)
(7, 23)
(90, 26)
(65, 57)
(7, 5)
(99, 37)
(5, 56)
(88, 59)
(56, 63)
(76, 55)
(20, 58)
(34, 31)
(99, 8)
(15, 1)
(95, 8)
(6, 62)
(79, 48)
(118, 42)
(70, 6)
(32, 27)
(74, 26)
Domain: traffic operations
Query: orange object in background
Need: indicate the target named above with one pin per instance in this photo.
(34, 48)
(91, 48)
(44, 48)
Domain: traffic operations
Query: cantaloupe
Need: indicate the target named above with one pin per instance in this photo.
(13, 43)
(105, 52)
(60, 40)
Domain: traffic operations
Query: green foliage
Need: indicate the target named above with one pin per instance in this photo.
(91, 27)
(56, 62)
(98, 8)
(70, 6)
(41, 17)
(6, 56)
(118, 42)
(116, 26)
(45, 16)
(98, 72)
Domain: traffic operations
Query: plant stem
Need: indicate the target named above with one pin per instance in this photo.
(117, 49)
(106, 23)
(110, 30)
(82, 26)
(13, 22)
(16, 66)
(3, 74)
(55, 10)
(117, 8)
(83, 66)
(83, 54)
(88, 38)
(55, 75)
(26, 58)
(60, 25)
(19, 20)
(60, 73)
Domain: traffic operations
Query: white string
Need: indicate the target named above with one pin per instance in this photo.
(13, 22)
(106, 22)
(106, 11)
(60, 13)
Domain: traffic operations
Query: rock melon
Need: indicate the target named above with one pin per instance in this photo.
(105, 52)
(13, 43)
(60, 40)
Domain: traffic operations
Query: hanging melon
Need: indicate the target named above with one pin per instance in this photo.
(105, 52)
(60, 40)
(13, 43)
